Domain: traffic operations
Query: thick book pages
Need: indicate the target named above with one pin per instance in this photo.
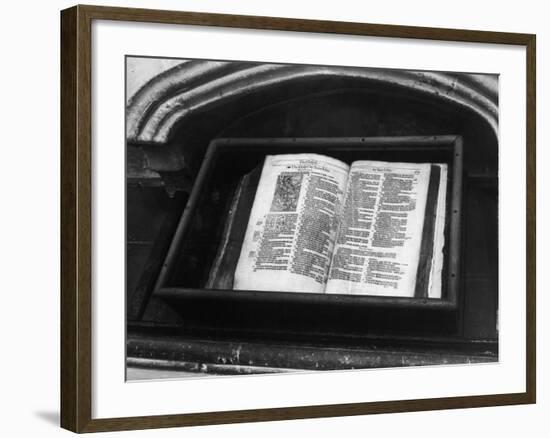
(222, 272)
(293, 223)
(312, 223)
(380, 236)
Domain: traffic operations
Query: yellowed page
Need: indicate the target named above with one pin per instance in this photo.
(378, 243)
(292, 227)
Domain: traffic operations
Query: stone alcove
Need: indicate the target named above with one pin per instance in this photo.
(178, 107)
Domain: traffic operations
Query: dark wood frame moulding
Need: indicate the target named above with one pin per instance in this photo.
(76, 243)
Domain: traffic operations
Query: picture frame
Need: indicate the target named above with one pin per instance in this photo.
(77, 238)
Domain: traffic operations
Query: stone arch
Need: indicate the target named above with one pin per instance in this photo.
(158, 107)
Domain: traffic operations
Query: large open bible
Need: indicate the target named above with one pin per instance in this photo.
(319, 225)
(316, 224)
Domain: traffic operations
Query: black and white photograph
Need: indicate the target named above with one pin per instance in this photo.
(285, 218)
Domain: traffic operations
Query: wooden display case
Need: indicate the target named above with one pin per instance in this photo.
(184, 273)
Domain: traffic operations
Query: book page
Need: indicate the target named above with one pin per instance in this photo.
(435, 285)
(292, 227)
(380, 231)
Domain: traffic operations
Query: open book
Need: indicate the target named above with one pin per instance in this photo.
(316, 224)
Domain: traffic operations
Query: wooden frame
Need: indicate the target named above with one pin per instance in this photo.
(76, 173)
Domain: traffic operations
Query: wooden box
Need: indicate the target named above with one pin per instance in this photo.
(183, 277)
